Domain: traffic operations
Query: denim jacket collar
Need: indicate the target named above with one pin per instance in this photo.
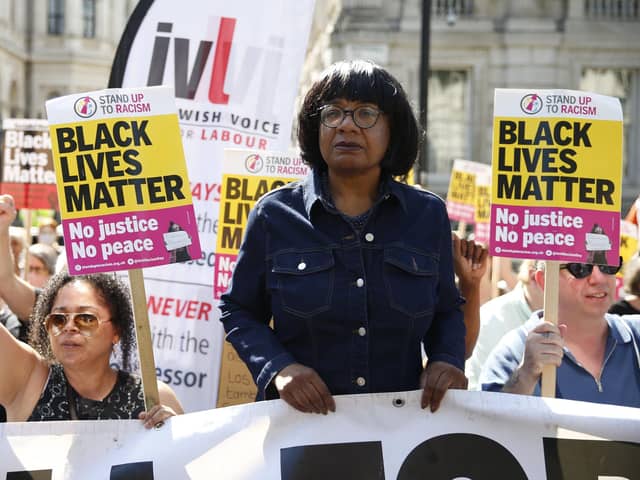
(312, 189)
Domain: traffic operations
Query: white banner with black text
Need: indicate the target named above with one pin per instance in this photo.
(474, 435)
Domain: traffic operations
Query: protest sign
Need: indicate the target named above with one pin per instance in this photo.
(557, 171)
(469, 198)
(122, 180)
(628, 248)
(246, 176)
(27, 165)
(461, 196)
(474, 435)
(632, 213)
(482, 212)
(122, 185)
(556, 183)
(628, 240)
(235, 67)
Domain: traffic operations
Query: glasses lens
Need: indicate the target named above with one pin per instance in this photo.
(583, 270)
(54, 322)
(86, 323)
(365, 117)
(580, 270)
(609, 269)
(331, 116)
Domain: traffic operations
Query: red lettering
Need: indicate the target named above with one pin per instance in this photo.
(196, 191)
(186, 308)
(221, 61)
(191, 309)
(205, 308)
(179, 308)
(153, 304)
(208, 192)
(168, 305)
(211, 188)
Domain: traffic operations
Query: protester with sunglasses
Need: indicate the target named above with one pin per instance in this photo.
(597, 353)
(75, 326)
(354, 267)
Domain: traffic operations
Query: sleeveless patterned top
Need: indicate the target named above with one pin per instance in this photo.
(59, 399)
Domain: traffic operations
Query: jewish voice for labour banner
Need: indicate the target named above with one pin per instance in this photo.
(235, 68)
(122, 180)
(556, 181)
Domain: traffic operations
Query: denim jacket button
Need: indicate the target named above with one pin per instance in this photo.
(369, 237)
(361, 382)
(362, 331)
(360, 283)
(302, 266)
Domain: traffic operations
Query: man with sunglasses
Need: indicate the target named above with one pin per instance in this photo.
(596, 352)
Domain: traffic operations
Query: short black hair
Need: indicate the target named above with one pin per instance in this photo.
(113, 292)
(364, 81)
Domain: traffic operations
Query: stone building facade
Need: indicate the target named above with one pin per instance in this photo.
(50, 48)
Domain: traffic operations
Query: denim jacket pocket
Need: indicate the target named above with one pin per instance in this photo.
(304, 281)
(410, 278)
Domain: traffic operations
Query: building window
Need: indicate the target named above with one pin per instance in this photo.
(448, 123)
(612, 9)
(89, 18)
(56, 17)
(622, 83)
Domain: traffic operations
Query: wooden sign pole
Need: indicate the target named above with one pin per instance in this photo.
(143, 334)
(551, 279)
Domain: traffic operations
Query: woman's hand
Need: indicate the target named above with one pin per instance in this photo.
(436, 379)
(303, 389)
(155, 417)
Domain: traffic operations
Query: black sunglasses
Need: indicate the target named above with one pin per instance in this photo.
(583, 270)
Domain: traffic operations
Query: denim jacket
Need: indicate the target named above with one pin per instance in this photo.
(354, 306)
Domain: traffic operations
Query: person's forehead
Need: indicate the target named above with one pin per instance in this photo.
(35, 260)
(79, 290)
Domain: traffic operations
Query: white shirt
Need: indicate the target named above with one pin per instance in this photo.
(497, 317)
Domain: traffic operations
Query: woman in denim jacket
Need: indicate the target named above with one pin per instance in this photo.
(354, 267)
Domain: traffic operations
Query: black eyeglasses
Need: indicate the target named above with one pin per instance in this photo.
(583, 270)
(332, 116)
